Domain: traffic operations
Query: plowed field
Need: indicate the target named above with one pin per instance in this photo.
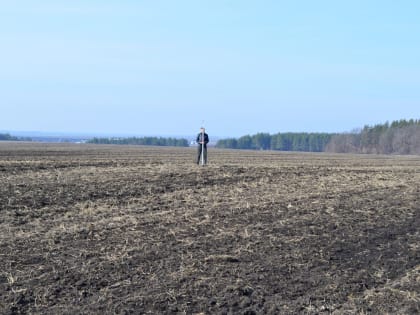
(142, 230)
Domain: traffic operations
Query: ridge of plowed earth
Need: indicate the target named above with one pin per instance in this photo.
(108, 229)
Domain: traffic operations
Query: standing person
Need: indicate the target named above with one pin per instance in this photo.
(202, 140)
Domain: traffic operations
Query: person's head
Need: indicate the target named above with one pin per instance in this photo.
(202, 129)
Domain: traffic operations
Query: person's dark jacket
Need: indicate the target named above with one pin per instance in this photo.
(199, 138)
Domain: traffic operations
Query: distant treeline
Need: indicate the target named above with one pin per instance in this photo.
(290, 141)
(157, 141)
(398, 137)
(8, 137)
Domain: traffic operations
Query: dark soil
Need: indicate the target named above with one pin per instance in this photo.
(143, 230)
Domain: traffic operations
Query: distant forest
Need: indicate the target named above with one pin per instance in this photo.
(8, 137)
(157, 141)
(398, 137)
(290, 141)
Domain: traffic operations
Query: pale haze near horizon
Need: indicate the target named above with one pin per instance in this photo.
(238, 67)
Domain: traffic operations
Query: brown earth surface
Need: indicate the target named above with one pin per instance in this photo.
(143, 230)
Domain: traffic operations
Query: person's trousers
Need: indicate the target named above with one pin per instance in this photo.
(200, 149)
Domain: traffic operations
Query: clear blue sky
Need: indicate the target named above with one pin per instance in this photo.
(162, 67)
